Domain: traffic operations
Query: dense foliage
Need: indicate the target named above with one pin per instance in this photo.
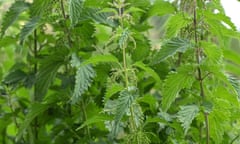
(118, 71)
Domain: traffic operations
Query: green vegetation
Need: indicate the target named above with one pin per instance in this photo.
(118, 72)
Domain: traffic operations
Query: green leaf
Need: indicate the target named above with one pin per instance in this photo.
(124, 36)
(232, 56)
(148, 70)
(29, 27)
(15, 77)
(186, 115)
(39, 7)
(83, 78)
(218, 121)
(111, 90)
(143, 46)
(138, 137)
(96, 3)
(220, 18)
(213, 53)
(176, 23)
(161, 8)
(101, 59)
(35, 110)
(220, 26)
(124, 102)
(138, 116)
(170, 48)
(47, 72)
(95, 119)
(150, 100)
(95, 15)
(175, 82)
(75, 10)
(12, 14)
(98, 17)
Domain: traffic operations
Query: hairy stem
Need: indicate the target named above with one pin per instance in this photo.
(199, 72)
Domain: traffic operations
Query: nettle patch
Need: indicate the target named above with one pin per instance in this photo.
(119, 71)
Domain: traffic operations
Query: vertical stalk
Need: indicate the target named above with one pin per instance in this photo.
(85, 118)
(120, 13)
(35, 52)
(199, 72)
(66, 30)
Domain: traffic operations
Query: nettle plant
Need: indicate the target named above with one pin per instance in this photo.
(119, 71)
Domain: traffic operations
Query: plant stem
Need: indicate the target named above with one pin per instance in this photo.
(66, 30)
(125, 66)
(85, 118)
(35, 50)
(199, 72)
(120, 12)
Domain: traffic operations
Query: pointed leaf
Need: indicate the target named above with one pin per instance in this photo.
(38, 7)
(12, 14)
(101, 59)
(111, 90)
(148, 70)
(35, 110)
(47, 72)
(213, 53)
(29, 28)
(170, 48)
(186, 115)
(95, 119)
(161, 8)
(83, 78)
(75, 10)
(176, 23)
(174, 83)
(125, 101)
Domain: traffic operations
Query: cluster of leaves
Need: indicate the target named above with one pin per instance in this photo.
(90, 71)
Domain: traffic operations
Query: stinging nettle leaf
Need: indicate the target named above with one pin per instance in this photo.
(161, 8)
(75, 10)
(148, 70)
(29, 27)
(101, 59)
(176, 23)
(214, 54)
(38, 7)
(83, 79)
(47, 72)
(111, 90)
(95, 119)
(171, 47)
(175, 82)
(35, 110)
(12, 14)
(125, 101)
(186, 115)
